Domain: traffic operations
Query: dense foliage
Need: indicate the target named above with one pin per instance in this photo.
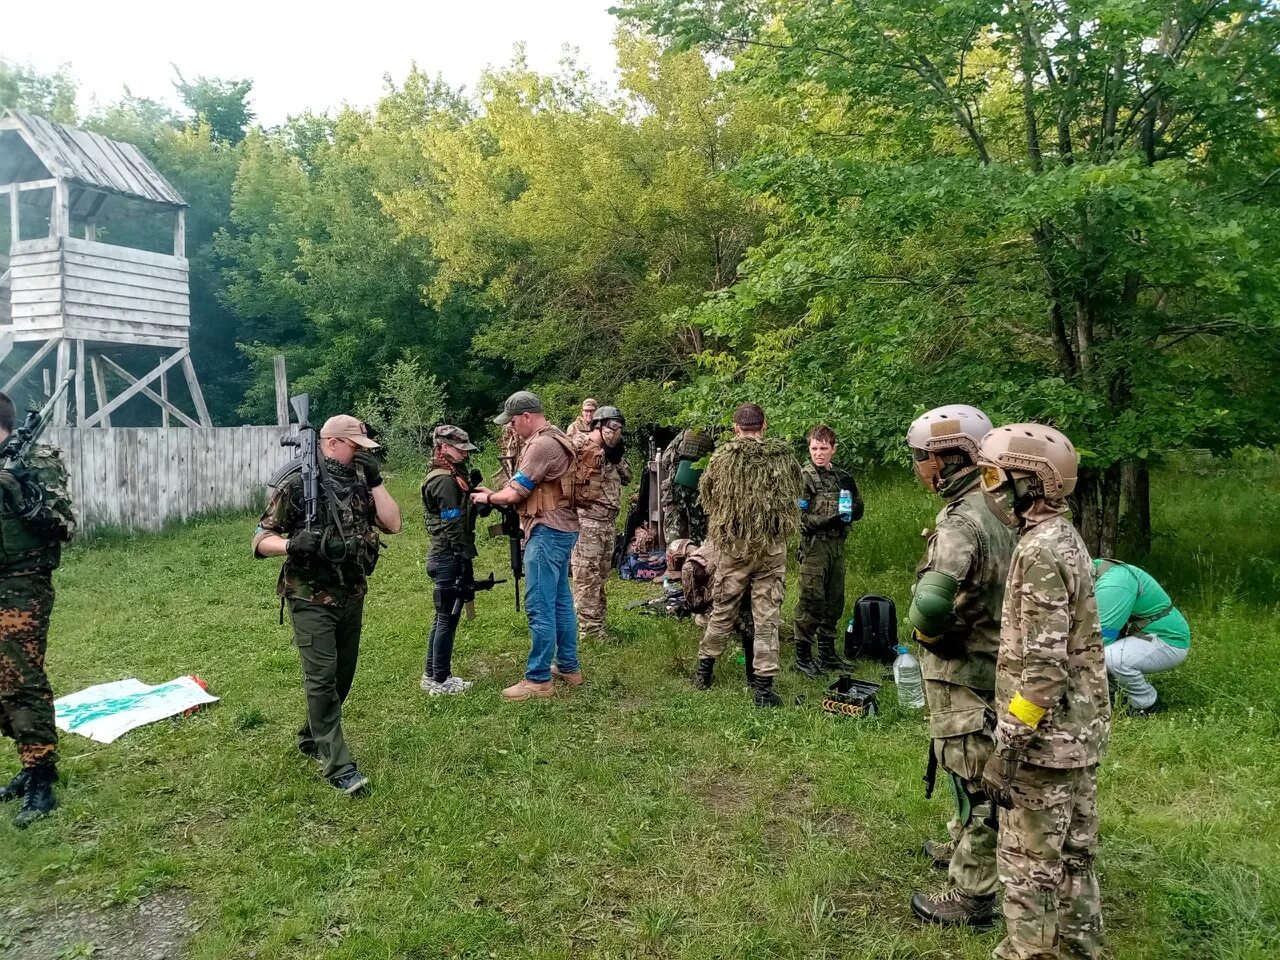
(847, 211)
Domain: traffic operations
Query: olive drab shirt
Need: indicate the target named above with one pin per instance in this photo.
(974, 548)
(34, 543)
(1051, 650)
(819, 501)
(451, 516)
(320, 580)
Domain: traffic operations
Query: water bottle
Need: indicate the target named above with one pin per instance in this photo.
(846, 506)
(910, 682)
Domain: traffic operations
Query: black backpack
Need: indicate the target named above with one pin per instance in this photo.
(872, 634)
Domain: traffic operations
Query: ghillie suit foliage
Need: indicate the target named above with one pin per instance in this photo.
(749, 491)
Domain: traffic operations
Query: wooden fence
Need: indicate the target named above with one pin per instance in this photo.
(139, 478)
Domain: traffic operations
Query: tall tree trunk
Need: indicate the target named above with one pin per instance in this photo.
(1098, 497)
(1135, 520)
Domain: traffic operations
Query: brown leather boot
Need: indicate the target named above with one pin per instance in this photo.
(572, 679)
(527, 690)
(939, 852)
(955, 908)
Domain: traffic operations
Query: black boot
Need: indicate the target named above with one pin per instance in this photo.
(764, 695)
(704, 676)
(804, 660)
(828, 659)
(953, 908)
(749, 659)
(15, 788)
(38, 802)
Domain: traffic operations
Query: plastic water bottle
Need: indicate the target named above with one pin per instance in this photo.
(846, 506)
(909, 680)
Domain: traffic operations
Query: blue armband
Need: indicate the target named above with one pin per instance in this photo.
(1110, 633)
(524, 481)
(451, 514)
(802, 504)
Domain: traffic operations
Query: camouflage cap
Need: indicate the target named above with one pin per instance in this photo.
(522, 401)
(346, 427)
(455, 436)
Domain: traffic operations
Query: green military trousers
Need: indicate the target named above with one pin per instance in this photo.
(26, 699)
(328, 642)
(821, 602)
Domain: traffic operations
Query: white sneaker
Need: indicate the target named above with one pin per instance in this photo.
(430, 686)
(456, 684)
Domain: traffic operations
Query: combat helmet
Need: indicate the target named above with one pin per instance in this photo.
(607, 412)
(956, 428)
(1036, 449)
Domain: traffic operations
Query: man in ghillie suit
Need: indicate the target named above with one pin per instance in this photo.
(955, 613)
(1051, 700)
(749, 490)
(35, 520)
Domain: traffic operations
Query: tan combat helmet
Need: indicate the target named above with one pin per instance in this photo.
(1037, 449)
(955, 428)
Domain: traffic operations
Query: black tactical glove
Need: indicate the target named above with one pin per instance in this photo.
(615, 453)
(304, 543)
(997, 775)
(20, 493)
(367, 462)
(339, 549)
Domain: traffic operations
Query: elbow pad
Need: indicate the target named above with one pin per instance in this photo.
(931, 602)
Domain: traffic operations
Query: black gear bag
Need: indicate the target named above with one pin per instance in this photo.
(872, 634)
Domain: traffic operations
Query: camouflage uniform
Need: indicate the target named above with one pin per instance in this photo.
(1051, 653)
(31, 548)
(509, 446)
(326, 603)
(751, 563)
(593, 553)
(973, 548)
(821, 556)
(682, 512)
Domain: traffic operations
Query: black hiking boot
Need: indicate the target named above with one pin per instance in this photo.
(954, 908)
(764, 695)
(828, 659)
(308, 748)
(15, 788)
(804, 660)
(38, 801)
(704, 676)
(939, 852)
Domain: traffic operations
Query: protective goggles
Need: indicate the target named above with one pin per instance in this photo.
(918, 455)
(993, 478)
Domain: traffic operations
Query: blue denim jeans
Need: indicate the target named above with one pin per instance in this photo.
(549, 603)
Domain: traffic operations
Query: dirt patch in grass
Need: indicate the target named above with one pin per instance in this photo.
(155, 928)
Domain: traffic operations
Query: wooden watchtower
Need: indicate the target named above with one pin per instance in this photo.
(67, 298)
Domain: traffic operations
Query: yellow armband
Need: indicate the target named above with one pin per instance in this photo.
(1029, 713)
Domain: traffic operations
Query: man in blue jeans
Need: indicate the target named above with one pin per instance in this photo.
(542, 492)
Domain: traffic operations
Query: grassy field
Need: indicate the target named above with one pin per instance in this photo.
(633, 817)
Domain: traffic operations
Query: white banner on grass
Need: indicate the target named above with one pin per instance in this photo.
(109, 710)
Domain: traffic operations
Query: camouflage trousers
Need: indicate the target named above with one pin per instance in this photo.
(821, 602)
(762, 576)
(1052, 905)
(962, 724)
(592, 557)
(26, 699)
(682, 515)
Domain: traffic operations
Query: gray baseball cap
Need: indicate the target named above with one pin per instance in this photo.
(522, 401)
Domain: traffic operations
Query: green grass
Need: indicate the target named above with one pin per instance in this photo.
(632, 817)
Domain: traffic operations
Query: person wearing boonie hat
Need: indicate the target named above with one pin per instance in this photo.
(451, 522)
(539, 493)
(324, 580)
(582, 423)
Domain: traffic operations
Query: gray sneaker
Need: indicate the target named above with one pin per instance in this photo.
(456, 685)
(427, 685)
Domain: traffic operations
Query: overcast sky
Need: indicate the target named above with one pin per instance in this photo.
(318, 54)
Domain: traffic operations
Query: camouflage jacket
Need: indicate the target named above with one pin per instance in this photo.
(34, 542)
(450, 514)
(509, 446)
(819, 501)
(321, 580)
(973, 548)
(1051, 650)
(607, 480)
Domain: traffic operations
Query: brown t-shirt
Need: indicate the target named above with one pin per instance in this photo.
(544, 460)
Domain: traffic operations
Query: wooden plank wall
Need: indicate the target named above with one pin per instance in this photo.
(139, 478)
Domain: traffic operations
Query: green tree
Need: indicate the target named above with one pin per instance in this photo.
(51, 95)
(1059, 209)
(221, 104)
